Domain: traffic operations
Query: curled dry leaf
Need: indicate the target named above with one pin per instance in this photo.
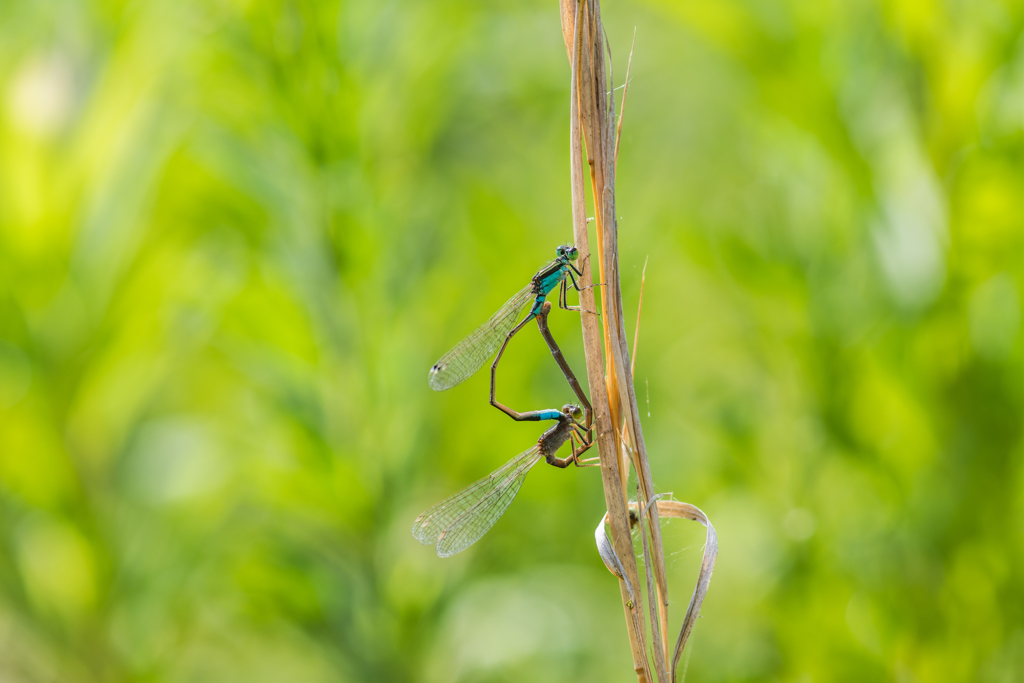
(669, 509)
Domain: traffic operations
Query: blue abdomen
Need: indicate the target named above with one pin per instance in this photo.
(537, 304)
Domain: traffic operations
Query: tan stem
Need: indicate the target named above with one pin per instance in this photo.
(580, 51)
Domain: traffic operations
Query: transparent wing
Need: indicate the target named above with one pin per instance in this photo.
(458, 521)
(468, 355)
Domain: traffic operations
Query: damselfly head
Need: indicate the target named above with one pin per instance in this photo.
(573, 411)
(568, 252)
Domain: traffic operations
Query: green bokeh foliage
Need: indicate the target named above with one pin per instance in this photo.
(235, 234)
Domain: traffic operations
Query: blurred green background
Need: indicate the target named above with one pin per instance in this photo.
(234, 235)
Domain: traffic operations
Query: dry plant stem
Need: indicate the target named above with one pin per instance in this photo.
(574, 16)
(592, 119)
(621, 379)
(639, 451)
(663, 602)
(616, 331)
(599, 137)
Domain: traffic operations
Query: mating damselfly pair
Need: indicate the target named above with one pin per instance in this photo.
(461, 519)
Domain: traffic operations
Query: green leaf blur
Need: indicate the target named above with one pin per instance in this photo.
(234, 235)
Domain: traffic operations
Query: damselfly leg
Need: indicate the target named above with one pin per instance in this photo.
(585, 442)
